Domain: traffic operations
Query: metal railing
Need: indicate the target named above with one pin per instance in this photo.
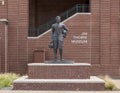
(79, 8)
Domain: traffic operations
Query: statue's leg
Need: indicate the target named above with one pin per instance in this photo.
(61, 50)
(55, 54)
(55, 50)
(61, 54)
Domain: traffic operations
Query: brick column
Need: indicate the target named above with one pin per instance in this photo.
(115, 32)
(6, 47)
(95, 31)
(18, 16)
(0, 56)
(3, 15)
(105, 32)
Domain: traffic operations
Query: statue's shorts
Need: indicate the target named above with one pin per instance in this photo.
(57, 44)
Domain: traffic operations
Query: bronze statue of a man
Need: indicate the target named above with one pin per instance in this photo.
(59, 32)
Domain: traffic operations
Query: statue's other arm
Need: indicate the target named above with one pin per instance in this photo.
(52, 29)
(65, 28)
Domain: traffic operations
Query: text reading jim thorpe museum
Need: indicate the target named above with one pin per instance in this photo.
(80, 39)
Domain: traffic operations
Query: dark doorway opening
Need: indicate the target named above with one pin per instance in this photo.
(41, 11)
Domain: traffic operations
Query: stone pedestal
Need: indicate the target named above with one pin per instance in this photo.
(91, 84)
(59, 62)
(59, 76)
(59, 71)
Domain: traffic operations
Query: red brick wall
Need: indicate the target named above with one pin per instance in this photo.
(3, 14)
(95, 33)
(115, 31)
(77, 52)
(0, 55)
(18, 32)
(105, 37)
(105, 54)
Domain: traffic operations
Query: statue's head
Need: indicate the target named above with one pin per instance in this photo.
(58, 19)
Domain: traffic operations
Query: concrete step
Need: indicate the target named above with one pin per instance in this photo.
(93, 83)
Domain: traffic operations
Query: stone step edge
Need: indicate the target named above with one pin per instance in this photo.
(52, 64)
(93, 79)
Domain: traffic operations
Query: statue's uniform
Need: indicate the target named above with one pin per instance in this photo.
(58, 35)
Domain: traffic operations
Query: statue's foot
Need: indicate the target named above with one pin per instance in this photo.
(55, 60)
(61, 59)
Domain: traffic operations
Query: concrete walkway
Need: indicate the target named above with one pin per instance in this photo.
(11, 91)
(116, 81)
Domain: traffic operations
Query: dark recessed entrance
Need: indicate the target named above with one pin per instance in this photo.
(42, 11)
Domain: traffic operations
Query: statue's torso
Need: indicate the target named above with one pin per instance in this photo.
(58, 31)
(58, 28)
